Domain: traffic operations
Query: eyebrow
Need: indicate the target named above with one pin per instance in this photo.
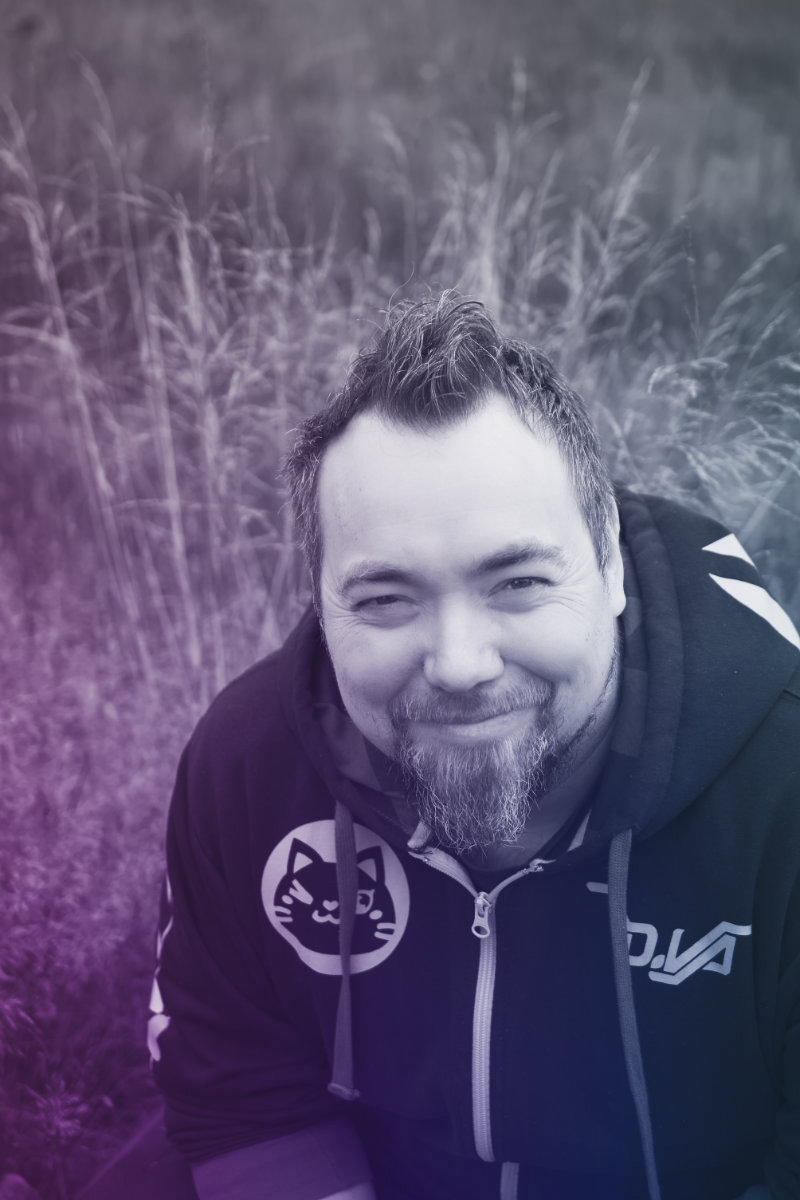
(516, 554)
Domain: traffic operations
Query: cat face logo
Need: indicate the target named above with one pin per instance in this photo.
(300, 897)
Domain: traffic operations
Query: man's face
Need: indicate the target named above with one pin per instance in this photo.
(472, 633)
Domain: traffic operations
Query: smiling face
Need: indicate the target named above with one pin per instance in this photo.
(472, 633)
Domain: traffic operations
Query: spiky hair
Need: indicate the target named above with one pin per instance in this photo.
(434, 363)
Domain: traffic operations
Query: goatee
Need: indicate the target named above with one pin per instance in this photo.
(476, 796)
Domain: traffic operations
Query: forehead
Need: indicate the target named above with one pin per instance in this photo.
(443, 495)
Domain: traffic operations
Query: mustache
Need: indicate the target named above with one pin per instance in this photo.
(468, 707)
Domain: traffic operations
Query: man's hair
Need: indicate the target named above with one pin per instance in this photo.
(434, 364)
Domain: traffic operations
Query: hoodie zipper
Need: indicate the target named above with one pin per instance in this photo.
(483, 927)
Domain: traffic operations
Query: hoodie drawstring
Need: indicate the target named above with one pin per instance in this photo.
(618, 859)
(342, 1081)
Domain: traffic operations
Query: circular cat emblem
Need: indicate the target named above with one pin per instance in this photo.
(300, 897)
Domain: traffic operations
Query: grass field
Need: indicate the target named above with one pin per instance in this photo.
(204, 209)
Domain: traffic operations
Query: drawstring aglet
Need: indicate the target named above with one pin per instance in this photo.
(344, 1093)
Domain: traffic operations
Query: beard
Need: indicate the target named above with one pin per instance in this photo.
(477, 796)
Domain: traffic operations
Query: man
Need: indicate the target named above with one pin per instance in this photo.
(486, 884)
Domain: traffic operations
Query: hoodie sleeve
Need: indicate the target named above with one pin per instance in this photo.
(235, 1070)
(299, 1165)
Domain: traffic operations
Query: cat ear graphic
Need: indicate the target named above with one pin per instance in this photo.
(371, 863)
(300, 850)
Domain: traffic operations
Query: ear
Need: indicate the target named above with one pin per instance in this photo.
(614, 576)
(301, 855)
(371, 863)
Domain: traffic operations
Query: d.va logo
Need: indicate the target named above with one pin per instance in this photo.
(300, 896)
(712, 952)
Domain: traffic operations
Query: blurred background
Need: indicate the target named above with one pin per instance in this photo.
(205, 207)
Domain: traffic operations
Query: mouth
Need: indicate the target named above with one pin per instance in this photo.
(472, 729)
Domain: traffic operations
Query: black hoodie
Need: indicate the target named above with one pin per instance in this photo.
(618, 1020)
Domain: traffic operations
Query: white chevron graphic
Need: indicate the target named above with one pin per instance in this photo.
(751, 595)
(760, 602)
(730, 546)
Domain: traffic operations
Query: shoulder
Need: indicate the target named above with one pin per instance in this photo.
(249, 767)
(720, 597)
(647, 517)
(231, 758)
(260, 706)
(243, 713)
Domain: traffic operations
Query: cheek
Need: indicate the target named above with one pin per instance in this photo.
(551, 644)
(371, 669)
(565, 647)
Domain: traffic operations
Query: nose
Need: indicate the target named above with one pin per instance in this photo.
(463, 653)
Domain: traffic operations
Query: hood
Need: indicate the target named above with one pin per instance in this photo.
(707, 655)
(720, 652)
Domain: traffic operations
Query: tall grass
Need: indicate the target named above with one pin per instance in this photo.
(153, 361)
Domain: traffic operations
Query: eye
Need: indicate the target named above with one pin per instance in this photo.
(523, 583)
(387, 610)
(520, 592)
(378, 602)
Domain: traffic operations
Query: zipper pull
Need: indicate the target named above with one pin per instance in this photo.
(480, 925)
